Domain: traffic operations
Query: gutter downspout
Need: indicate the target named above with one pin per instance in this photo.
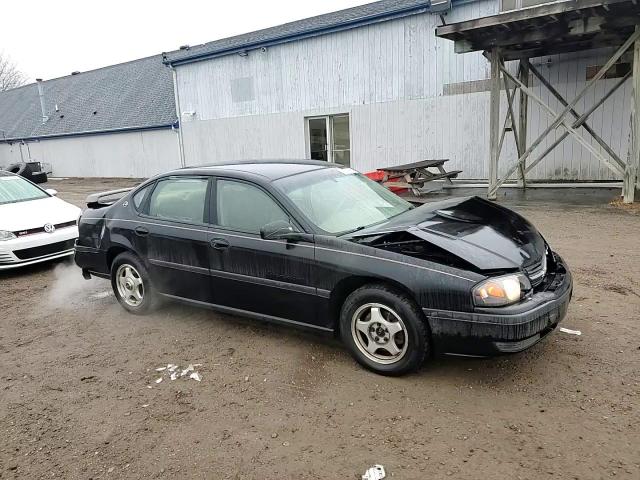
(176, 95)
(41, 95)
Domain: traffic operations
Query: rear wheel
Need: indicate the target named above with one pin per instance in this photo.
(384, 330)
(131, 284)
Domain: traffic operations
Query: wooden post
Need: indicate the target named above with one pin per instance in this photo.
(523, 74)
(494, 124)
(633, 161)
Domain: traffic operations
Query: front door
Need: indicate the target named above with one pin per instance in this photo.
(319, 138)
(175, 231)
(269, 277)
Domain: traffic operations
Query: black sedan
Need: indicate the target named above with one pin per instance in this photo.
(317, 245)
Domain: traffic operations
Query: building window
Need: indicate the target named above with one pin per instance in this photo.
(329, 139)
(617, 70)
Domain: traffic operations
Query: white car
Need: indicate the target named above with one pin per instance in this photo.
(35, 225)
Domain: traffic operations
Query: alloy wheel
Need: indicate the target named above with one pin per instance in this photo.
(130, 285)
(379, 333)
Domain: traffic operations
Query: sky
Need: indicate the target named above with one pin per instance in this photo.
(52, 38)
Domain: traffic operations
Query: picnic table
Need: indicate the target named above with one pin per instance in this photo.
(417, 176)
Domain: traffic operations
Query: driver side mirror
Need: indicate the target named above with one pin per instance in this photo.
(280, 230)
(51, 192)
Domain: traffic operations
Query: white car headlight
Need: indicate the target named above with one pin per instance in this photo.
(4, 235)
(500, 291)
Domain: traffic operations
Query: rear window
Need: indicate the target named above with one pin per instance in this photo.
(181, 199)
(17, 189)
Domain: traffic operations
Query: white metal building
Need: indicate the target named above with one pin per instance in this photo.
(372, 86)
(117, 121)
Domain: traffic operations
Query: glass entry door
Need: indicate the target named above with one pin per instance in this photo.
(319, 138)
(329, 139)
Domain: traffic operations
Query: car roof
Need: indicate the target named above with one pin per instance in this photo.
(269, 169)
(4, 173)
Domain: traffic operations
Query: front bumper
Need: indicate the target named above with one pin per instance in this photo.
(492, 331)
(36, 248)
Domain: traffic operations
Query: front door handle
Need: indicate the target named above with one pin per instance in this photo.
(141, 231)
(219, 243)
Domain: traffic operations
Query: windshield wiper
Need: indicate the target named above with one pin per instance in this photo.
(362, 227)
(353, 230)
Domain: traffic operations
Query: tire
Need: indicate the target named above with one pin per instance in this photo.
(39, 177)
(398, 324)
(137, 298)
(21, 169)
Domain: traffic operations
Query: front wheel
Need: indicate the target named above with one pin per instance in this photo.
(384, 330)
(131, 284)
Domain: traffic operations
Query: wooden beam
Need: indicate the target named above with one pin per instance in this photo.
(578, 123)
(570, 131)
(494, 124)
(523, 76)
(633, 161)
(584, 123)
(454, 30)
(559, 119)
(511, 96)
(560, 46)
(596, 105)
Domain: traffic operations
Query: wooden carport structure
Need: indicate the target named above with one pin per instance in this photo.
(555, 28)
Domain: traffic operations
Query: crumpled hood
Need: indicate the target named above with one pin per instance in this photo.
(480, 232)
(35, 213)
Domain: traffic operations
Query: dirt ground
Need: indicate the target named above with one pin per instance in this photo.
(78, 397)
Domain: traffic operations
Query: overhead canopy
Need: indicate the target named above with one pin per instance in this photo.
(549, 29)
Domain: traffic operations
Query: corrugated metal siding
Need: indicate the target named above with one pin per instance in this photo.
(390, 78)
(133, 155)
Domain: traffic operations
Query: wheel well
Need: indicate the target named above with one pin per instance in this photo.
(112, 253)
(347, 286)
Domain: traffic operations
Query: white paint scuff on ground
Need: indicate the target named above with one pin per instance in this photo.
(101, 295)
(174, 372)
(570, 332)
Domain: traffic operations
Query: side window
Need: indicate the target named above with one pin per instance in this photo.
(181, 199)
(138, 198)
(245, 208)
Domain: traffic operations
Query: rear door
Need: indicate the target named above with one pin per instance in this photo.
(269, 277)
(175, 230)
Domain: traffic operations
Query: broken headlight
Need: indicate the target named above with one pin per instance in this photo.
(500, 291)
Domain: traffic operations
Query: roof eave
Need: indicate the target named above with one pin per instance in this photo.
(301, 35)
(91, 132)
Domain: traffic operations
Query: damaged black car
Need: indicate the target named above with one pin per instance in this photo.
(321, 246)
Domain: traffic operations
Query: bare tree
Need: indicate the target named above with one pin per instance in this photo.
(10, 76)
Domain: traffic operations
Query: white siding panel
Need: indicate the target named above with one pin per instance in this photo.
(132, 155)
(275, 136)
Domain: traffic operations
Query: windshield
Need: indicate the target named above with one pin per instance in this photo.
(340, 200)
(16, 189)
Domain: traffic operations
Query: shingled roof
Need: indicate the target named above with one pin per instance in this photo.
(134, 95)
(308, 27)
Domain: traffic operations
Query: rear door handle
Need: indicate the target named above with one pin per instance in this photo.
(141, 231)
(219, 243)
